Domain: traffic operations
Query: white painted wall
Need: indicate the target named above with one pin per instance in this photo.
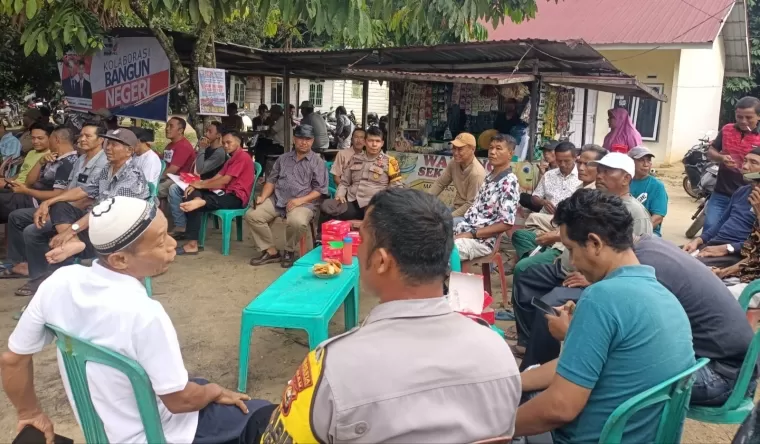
(699, 87)
(377, 102)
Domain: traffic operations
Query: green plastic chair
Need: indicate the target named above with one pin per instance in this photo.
(454, 261)
(332, 187)
(153, 188)
(227, 216)
(76, 353)
(674, 394)
(746, 296)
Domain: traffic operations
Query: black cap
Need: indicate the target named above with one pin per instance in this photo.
(550, 145)
(304, 131)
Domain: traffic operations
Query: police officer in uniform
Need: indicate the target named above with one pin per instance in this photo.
(414, 371)
(368, 173)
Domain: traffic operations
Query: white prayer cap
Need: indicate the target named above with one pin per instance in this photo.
(117, 222)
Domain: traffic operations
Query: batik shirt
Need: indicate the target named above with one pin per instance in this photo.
(750, 270)
(496, 202)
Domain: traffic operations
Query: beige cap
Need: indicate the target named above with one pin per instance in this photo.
(464, 139)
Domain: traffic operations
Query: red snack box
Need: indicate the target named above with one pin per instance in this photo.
(336, 228)
(357, 240)
(328, 250)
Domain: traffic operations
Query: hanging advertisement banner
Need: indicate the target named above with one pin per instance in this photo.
(212, 92)
(129, 77)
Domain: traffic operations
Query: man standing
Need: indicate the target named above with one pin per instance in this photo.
(495, 208)
(321, 138)
(235, 181)
(728, 149)
(107, 305)
(10, 147)
(455, 380)
(208, 162)
(343, 128)
(298, 178)
(369, 173)
(649, 190)
(628, 333)
(343, 159)
(557, 184)
(465, 172)
(179, 154)
(277, 132)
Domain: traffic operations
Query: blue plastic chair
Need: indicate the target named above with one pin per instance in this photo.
(332, 187)
(673, 395)
(227, 216)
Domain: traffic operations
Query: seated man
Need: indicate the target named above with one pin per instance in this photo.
(343, 159)
(10, 147)
(720, 246)
(235, 180)
(548, 162)
(39, 147)
(465, 172)
(538, 225)
(614, 174)
(106, 304)
(68, 211)
(559, 183)
(145, 158)
(628, 333)
(298, 178)
(368, 173)
(454, 379)
(179, 154)
(495, 207)
(48, 178)
(649, 190)
(208, 162)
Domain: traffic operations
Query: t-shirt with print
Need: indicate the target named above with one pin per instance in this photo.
(240, 168)
(31, 159)
(651, 193)
(55, 175)
(628, 334)
(180, 154)
(496, 202)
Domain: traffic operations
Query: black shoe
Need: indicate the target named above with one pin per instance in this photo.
(265, 258)
(288, 257)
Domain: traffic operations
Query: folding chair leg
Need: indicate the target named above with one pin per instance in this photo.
(503, 280)
(226, 235)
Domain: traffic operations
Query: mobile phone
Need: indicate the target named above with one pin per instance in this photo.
(30, 435)
(752, 176)
(543, 306)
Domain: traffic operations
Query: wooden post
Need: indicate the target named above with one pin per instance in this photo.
(533, 124)
(365, 102)
(585, 117)
(286, 100)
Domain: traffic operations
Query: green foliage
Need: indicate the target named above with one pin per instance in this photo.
(736, 88)
(21, 74)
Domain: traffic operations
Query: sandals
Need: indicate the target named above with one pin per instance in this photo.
(27, 289)
(511, 333)
(180, 251)
(8, 273)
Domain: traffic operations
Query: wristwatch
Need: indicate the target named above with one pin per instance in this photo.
(75, 227)
(730, 248)
(474, 232)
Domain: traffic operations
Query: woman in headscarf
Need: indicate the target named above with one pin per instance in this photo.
(623, 135)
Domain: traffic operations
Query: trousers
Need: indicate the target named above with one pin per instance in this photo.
(260, 219)
(213, 202)
(174, 197)
(27, 243)
(717, 204)
(470, 249)
(535, 281)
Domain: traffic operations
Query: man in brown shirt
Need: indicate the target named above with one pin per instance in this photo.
(343, 159)
(465, 172)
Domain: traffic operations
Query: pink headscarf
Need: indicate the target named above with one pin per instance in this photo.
(625, 134)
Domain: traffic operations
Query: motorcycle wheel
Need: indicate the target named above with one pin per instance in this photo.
(695, 226)
(689, 190)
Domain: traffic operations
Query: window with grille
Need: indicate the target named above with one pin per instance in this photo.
(276, 92)
(237, 90)
(315, 92)
(357, 86)
(645, 113)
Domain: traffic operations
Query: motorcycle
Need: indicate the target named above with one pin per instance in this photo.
(701, 175)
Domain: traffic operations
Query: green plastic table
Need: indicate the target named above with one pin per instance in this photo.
(315, 256)
(298, 299)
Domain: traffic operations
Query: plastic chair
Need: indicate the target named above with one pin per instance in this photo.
(674, 394)
(332, 187)
(227, 216)
(485, 262)
(76, 353)
(455, 262)
(739, 404)
(753, 314)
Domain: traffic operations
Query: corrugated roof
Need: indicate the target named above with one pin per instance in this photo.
(607, 22)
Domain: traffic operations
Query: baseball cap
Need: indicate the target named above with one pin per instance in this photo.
(639, 152)
(618, 161)
(123, 136)
(306, 104)
(464, 139)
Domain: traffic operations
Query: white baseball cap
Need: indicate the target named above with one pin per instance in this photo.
(618, 161)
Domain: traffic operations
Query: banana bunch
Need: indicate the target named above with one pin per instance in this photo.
(330, 268)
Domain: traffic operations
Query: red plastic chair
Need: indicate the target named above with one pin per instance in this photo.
(485, 265)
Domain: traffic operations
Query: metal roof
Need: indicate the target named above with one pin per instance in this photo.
(607, 22)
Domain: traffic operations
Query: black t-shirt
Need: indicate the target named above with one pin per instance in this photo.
(719, 327)
(56, 175)
(729, 179)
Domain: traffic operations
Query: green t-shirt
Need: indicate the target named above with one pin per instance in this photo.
(31, 158)
(628, 334)
(650, 191)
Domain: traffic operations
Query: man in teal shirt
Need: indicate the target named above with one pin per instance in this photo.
(628, 332)
(649, 190)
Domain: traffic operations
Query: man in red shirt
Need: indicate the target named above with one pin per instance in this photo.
(179, 154)
(230, 189)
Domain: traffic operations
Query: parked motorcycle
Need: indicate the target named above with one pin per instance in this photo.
(701, 175)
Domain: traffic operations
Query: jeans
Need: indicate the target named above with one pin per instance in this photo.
(458, 220)
(27, 243)
(713, 389)
(717, 204)
(175, 198)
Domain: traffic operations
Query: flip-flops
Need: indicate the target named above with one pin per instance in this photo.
(181, 252)
(505, 315)
(27, 289)
(8, 273)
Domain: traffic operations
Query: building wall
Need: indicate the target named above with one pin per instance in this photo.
(655, 67)
(699, 89)
(343, 94)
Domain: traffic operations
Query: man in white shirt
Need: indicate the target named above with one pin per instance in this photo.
(107, 305)
(560, 183)
(146, 159)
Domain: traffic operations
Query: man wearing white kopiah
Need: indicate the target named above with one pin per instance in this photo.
(107, 305)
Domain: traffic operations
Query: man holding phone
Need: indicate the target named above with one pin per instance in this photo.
(728, 149)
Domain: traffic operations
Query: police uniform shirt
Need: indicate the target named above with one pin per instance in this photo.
(366, 177)
(414, 372)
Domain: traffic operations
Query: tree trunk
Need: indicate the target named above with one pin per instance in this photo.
(203, 56)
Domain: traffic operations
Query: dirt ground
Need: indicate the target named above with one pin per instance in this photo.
(204, 296)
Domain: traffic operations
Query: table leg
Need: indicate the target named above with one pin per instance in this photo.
(246, 329)
(351, 307)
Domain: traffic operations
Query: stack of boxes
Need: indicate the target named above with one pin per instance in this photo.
(333, 234)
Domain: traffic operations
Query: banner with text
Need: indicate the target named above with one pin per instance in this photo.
(129, 77)
(212, 91)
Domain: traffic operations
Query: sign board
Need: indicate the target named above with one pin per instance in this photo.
(212, 92)
(129, 77)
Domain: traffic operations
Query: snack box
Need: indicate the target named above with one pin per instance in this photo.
(356, 241)
(336, 228)
(330, 252)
